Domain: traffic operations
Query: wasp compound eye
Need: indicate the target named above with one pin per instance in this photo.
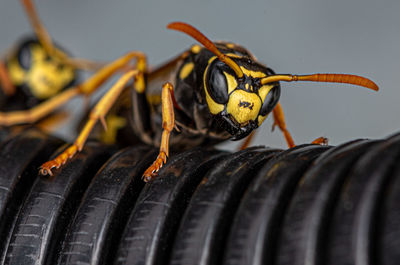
(24, 56)
(271, 99)
(216, 85)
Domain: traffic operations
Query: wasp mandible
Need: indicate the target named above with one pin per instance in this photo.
(210, 93)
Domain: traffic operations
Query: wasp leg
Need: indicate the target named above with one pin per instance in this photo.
(51, 123)
(5, 82)
(98, 113)
(45, 39)
(89, 86)
(320, 141)
(36, 113)
(168, 117)
(247, 140)
(279, 119)
(141, 101)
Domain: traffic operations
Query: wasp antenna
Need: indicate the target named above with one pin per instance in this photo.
(197, 35)
(332, 78)
(41, 33)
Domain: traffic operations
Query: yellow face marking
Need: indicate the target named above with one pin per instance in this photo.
(243, 106)
(186, 70)
(255, 74)
(232, 83)
(264, 90)
(196, 49)
(17, 74)
(209, 62)
(45, 78)
(213, 106)
(230, 45)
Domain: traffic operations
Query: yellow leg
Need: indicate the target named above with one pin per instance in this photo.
(51, 123)
(89, 86)
(38, 112)
(320, 141)
(168, 118)
(279, 119)
(98, 113)
(45, 39)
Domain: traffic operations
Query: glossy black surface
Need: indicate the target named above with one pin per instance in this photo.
(20, 157)
(352, 239)
(306, 223)
(48, 208)
(103, 211)
(388, 221)
(154, 220)
(306, 205)
(255, 229)
(205, 225)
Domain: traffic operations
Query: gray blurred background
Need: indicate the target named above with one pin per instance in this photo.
(304, 36)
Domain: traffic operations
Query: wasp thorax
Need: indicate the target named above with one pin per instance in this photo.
(244, 102)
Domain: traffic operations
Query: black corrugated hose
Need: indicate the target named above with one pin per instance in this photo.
(307, 205)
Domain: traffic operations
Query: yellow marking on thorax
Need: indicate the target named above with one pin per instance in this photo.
(153, 99)
(186, 70)
(114, 123)
(196, 49)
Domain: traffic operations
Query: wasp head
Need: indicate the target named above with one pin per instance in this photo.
(42, 75)
(241, 92)
(240, 104)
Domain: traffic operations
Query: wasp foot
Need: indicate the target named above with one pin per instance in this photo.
(151, 172)
(320, 141)
(60, 160)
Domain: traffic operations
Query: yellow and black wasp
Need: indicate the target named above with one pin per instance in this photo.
(35, 73)
(208, 94)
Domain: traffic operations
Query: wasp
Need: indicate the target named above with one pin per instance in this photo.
(37, 76)
(209, 93)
